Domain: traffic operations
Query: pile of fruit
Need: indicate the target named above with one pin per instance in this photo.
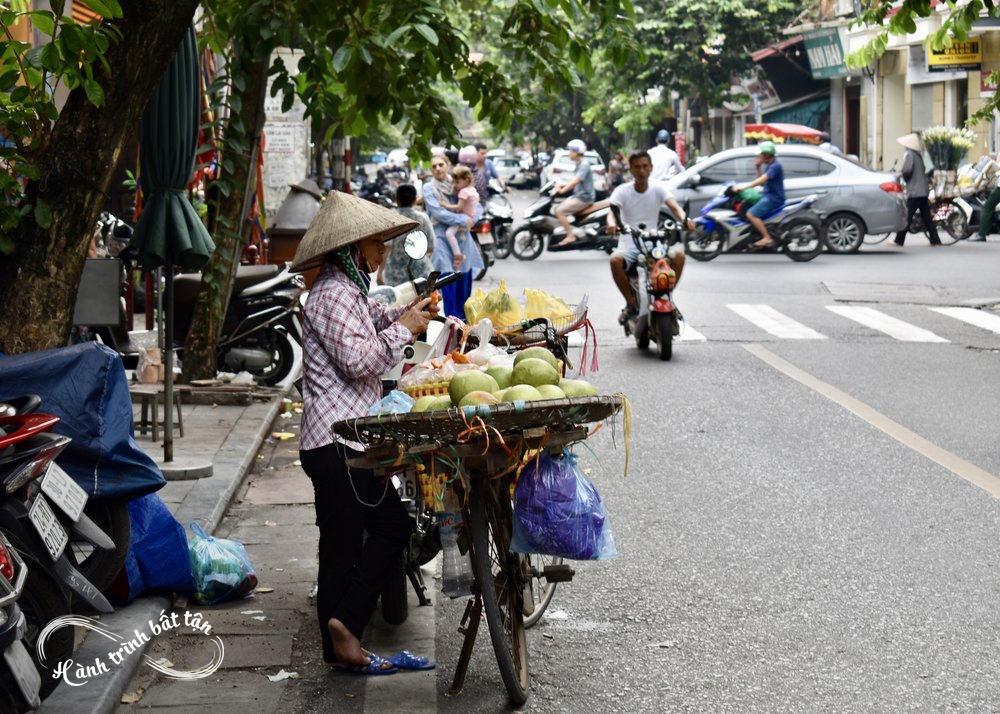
(534, 376)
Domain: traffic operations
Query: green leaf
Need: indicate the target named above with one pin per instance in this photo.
(94, 92)
(43, 21)
(105, 8)
(426, 32)
(43, 213)
(50, 57)
(342, 57)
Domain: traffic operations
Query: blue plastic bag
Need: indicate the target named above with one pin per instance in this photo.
(221, 568)
(158, 556)
(557, 511)
(395, 402)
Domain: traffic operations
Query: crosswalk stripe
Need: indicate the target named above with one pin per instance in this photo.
(770, 320)
(870, 317)
(972, 316)
(689, 334)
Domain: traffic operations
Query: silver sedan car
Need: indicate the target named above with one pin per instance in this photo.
(854, 200)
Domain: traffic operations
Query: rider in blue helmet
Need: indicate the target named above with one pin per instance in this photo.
(665, 160)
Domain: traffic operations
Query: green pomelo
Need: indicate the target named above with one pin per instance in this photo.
(423, 404)
(471, 380)
(537, 353)
(502, 374)
(499, 394)
(442, 401)
(477, 398)
(523, 393)
(577, 388)
(534, 372)
(551, 391)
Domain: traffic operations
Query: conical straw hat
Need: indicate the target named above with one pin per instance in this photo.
(911, 141)
(344, 219)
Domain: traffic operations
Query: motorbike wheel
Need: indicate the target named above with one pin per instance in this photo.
(101, 566)
(486, 262)
(501, 248)
(42, 601)
(281, 362)
(527, 244)
(395, 607)
(802, 239)
(642, 333)
(844, 233)
(704, 246)
(950, 222)
(664, 337)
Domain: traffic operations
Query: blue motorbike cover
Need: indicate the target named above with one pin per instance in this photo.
(85, 386)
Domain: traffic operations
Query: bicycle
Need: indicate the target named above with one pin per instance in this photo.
(949, 220)
(485, 458)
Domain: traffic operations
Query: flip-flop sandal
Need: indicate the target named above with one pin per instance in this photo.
(374, 667)
(408, 660)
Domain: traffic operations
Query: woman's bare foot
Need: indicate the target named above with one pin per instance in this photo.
(347, 648)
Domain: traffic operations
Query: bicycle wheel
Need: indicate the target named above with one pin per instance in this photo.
(950, 222)
(536, 587)
(499, 574)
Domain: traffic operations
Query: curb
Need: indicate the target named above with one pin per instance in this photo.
(235, 460)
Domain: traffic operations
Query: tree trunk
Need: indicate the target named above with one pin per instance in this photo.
(228, 232)
(39, 281)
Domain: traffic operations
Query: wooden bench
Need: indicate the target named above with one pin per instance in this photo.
(151, 397)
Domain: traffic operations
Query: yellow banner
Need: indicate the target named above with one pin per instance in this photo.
(969, 52)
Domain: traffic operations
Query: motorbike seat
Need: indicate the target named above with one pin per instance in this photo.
(188, 285)
(592, 208)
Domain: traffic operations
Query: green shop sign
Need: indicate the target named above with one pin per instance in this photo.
(825, 53)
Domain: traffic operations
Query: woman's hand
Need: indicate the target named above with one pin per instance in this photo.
(417, 316)
(457, 261)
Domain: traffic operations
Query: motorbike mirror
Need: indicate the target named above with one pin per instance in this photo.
(415, 245)
(693, 180)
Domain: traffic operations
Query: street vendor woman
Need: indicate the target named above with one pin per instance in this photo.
(349, 342)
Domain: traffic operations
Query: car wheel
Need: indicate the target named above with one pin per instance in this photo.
(844, 233)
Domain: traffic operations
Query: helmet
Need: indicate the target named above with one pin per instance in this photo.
(576, 145)
(767, 147)
(663, 135)
(468, 155)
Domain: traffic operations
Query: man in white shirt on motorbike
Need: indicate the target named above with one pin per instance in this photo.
(665, 160)
(640, 202)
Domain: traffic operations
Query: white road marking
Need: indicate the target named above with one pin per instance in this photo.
(779, 325)
(689, 334)
(956, 464)
(979, 318)
(870, 317)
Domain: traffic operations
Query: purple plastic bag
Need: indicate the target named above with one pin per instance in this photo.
(557, 511)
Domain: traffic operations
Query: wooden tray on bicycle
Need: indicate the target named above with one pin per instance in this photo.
(443, 426)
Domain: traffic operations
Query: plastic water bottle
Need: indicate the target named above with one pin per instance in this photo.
(456, 572)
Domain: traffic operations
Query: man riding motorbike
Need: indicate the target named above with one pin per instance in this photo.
(772, 177)
(582, 186)
(640, 203)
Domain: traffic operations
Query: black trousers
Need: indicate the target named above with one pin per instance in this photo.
(913, 205)
(352, 568)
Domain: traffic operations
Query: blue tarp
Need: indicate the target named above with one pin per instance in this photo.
(86, 387)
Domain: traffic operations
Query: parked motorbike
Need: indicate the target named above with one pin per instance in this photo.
(500, 215)
(20, 681)
(40, 509)
(722, 227)
(652, 279)
(529, 240)
(261, 321)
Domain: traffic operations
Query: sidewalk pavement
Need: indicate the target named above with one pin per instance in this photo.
(229, 435)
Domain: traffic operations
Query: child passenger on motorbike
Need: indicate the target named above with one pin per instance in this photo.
(640, 203)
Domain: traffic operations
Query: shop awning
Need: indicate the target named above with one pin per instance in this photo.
(780, 133)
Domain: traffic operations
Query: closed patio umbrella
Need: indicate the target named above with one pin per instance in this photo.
(169, 232)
